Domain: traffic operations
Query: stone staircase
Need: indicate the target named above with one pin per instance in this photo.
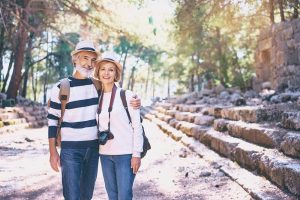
(19, 117)
(265, 140)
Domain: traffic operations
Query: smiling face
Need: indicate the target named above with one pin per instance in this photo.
(107, 72)
(85, 59)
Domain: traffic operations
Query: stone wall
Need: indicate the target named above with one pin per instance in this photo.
(277, 56)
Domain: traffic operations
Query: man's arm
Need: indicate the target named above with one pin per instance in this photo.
(53, 117)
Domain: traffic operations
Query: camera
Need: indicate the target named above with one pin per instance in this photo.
(103, 136)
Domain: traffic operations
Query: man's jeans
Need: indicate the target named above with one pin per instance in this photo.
(79, 172)
(118, 176)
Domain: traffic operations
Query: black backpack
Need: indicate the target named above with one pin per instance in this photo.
(146, 144)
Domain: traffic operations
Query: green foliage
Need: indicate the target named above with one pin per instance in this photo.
(62, 62)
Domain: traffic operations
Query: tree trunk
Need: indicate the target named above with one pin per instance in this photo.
(28, 65)
(132, 79)
(169, 87)
(19, 58)
(153, 84)
(271, 10)
(296, 12)
(33, 83)
(1, 52)
(147, 80)
(280, 2)
(222, 69)
(192, 84)
(199, 82)
(11, 61)
(124, 67)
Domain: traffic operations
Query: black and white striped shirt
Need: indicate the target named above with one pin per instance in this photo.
(79, 126)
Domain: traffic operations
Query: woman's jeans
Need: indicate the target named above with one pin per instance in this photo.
(79, 172)
(118, 176)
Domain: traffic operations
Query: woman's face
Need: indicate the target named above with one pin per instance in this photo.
(107, 73)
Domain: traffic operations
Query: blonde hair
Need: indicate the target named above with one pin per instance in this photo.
(98, 66)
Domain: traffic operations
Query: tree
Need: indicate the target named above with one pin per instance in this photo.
(19, 57)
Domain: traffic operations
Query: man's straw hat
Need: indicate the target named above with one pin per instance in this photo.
(85, 45)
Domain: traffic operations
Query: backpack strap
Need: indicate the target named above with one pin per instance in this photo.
(97, 85)
(64, 95)
(124, 102)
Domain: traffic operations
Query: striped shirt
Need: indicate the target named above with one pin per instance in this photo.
(79, 126)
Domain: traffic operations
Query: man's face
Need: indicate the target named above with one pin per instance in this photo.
(85, 59)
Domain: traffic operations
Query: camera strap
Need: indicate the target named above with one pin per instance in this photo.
(111, 102)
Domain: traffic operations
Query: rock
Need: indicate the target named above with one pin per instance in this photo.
(206, 92)
(186, 174)
(181, 169)
(204, 120)
(275, 99)
(29, 140)
(2, 96)
(266, 85)
(291, 144)
(285, 97)
(251, 94)
(205, 174)
(291, 120)
(224, 95)
(298, 102)
(267, 94)
(219, 88)
(237, 99)
(220, 125)
(183, 153)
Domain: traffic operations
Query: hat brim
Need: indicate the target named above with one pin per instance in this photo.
(109, 60)
(77, 51)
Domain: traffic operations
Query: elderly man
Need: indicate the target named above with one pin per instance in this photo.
(79, 154)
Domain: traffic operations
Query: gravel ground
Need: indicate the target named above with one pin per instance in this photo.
(169, 171)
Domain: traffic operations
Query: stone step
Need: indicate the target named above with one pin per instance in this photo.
(278, 168)
(244, 113)
(291, 120)
(9, 115)
(253, 114)
(263, 135)
(187, 108)
(14, 121)
(257, 186)
(166, 106)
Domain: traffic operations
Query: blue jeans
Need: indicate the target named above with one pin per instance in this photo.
(79, 172)
(118, 176)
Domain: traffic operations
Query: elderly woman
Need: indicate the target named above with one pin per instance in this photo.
(121, 141)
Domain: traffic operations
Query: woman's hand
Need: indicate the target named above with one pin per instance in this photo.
(135, 164)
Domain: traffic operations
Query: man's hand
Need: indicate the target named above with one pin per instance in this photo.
(54, 156)
(55, 161)
(135, 164)
(135, 102)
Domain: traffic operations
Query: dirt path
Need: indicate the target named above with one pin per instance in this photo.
(169, 171)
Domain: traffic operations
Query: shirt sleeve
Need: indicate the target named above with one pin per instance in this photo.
(54, 111)
(137, 127)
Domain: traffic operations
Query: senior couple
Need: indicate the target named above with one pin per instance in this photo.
(89, 112)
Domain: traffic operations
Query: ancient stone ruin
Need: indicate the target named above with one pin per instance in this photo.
(258, 129)
(277, 56)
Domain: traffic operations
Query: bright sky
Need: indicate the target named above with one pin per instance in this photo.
(135, 18)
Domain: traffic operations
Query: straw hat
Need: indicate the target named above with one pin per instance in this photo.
(85, 45)
(109, 57)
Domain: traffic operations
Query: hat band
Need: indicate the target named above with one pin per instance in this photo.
(87, 49)
(109, 59)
